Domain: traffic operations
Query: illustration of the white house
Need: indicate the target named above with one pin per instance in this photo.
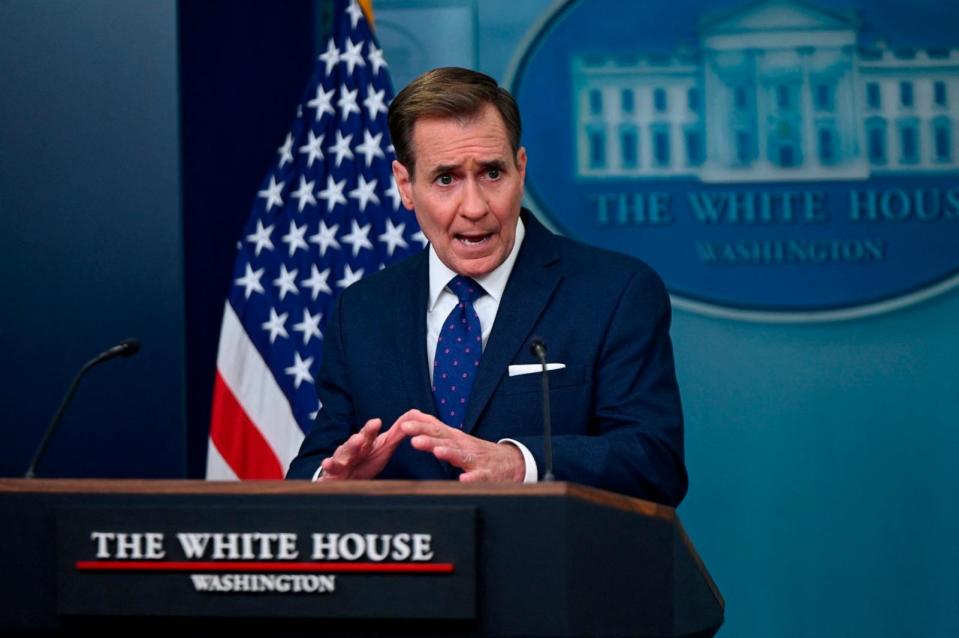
(777, 90)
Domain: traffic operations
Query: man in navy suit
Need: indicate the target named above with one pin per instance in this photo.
(493, 278)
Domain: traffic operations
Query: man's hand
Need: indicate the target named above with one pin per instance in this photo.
(363, 455)
(480, 460)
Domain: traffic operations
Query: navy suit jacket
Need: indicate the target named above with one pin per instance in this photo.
(616, 415)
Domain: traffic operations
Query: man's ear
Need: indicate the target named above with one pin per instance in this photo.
(404, 184)
(521, 163)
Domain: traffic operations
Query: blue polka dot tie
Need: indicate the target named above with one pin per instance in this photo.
(458, 351)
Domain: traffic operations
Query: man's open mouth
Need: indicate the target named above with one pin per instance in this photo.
(473, 239)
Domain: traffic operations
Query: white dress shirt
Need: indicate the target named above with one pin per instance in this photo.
(442, 301)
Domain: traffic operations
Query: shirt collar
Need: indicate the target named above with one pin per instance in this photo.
(494, 283)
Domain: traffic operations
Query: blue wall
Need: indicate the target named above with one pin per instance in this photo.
(822, 471)
(821, 456)
(90, 206)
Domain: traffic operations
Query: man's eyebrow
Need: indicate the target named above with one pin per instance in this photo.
(443, 169)
(496, 164)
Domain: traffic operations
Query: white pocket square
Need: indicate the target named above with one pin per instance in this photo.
(531, 368)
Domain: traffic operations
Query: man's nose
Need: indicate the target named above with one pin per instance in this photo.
(474, 204)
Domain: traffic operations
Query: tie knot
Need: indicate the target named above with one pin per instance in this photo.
(466, 289)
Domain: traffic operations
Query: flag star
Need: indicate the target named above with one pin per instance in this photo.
(330, 57)
(375, 56)
(342, 147)
(370, 147)
(420, 237)
(304, 194)
(272, 193)
(352, 55)
(326, 237)
(374, 102)
(333, 193)
(285, 282)
(276, 325)
(310, 326)
(349, 277)
(323, 102)
(355, 14)
(251, 281)
(347, 102)
(294, 238)
(317, 281)
(364, 193)
(393, 236)
(261, 237)
(393, 193)
(286, 151)
(300, 370)
(358, 237)
(312, 148)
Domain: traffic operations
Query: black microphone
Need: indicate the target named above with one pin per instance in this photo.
(538, 348)
(126, 348)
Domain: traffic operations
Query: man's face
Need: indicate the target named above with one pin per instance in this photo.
(466, 190)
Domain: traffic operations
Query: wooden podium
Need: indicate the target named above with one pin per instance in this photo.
(442, 559)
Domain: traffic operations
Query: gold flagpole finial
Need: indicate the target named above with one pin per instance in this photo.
(367, 6)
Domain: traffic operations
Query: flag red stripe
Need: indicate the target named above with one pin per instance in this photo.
(239, 441)
(262, 566)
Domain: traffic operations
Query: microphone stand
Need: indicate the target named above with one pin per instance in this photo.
(125, 349)
(538, 348)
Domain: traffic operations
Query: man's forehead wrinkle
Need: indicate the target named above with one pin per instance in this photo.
(462, 120)
(484, 146)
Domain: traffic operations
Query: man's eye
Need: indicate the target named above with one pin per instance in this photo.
(445, 180)
(493, 173)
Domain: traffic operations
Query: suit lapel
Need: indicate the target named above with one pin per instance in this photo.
(409, 318)
(535, 276)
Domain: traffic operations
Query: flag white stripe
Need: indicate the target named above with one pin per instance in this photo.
(217, 469)
(252, 384)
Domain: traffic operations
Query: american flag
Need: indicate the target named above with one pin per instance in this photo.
(327, 214)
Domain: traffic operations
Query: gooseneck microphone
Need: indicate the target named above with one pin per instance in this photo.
(538, 348)
(126, 348)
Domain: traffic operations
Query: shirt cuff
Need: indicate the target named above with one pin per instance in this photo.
(532, 472)
(318, 474)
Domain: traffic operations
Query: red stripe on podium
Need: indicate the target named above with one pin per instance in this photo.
(262, 566)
